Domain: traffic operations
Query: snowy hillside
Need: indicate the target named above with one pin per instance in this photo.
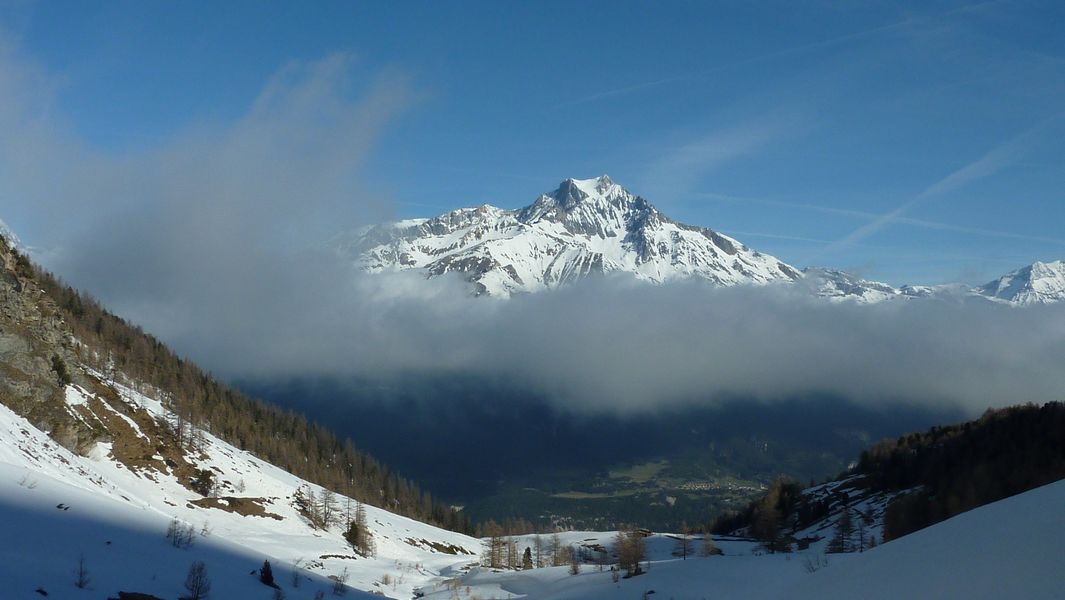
(115, 505)
(586, 227)
(1009, 549)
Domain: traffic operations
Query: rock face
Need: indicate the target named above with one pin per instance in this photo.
(585, 228)
(33, 342)
(9, 236)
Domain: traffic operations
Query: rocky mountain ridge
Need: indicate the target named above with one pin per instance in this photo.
(585, 228)
(595, 227)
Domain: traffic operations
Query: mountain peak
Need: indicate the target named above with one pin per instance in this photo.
(1037, 283)
(572, 192)
(585, 228)
(1046, 268)
(595, 186)
(593, 227)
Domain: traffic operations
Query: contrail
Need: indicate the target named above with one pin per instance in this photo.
(772, 55)
(987, 165)
(872, 216)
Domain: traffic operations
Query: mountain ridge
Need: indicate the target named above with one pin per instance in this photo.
(595, 227)
(1037, 283)
(585, 228)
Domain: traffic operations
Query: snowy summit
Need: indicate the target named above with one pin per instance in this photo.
(586, 227)
(595, 227)
(1038, 283)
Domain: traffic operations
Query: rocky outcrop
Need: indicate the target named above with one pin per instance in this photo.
(38, 355)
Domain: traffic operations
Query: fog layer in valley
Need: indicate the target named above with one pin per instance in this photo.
(218, 240)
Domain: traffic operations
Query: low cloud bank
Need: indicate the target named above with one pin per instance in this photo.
(218, 241)
(621, 346)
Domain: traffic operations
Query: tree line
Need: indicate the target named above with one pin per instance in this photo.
(950, 469)
(283, 438)
(960, 467)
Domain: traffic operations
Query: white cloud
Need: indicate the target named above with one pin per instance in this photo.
(214, 241)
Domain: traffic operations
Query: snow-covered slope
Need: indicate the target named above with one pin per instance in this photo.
(1008, 549)
(586, 227)
(1038, 283)
(57, 506)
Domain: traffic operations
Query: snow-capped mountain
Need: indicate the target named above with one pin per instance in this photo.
(839, 285)
(1038, 283)
(586, 227)
(592, 227)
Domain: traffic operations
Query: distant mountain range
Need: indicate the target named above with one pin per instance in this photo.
(595, 227)
(584, 228)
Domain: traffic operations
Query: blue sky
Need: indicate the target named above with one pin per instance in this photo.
(910, 142)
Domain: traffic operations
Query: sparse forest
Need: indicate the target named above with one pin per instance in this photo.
(283, 438)
(953, 468)
(959, 467)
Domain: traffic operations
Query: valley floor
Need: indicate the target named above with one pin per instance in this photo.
(1010, 549)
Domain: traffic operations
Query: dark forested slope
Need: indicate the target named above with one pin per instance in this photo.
(930, 476)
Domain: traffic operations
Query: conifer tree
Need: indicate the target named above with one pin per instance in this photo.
(358, 533)
(266, 574)
(841, 540)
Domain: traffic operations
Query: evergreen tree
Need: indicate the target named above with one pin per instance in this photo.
(60, 368)
(842, 539)
(266, 574)
(358, 533)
